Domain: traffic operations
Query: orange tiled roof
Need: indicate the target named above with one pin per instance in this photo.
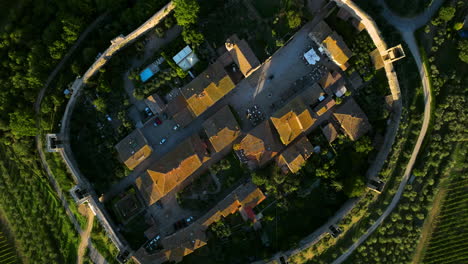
(221, 128)
(260, 145)
(339, 51)
(324, 106)
(207, 88)
(133, 149)
(242, 54)
(352, 119)
(171, 170)
(295, 156)
(330, 132)
(292, 119)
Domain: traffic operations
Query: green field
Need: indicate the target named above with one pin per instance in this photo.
(449, 239)
(7, 252)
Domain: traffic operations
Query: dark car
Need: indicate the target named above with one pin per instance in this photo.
(148, 111)
(157, 121)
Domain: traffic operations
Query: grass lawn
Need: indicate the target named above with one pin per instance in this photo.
(103, 244)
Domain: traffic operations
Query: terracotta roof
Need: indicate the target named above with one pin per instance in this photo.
(292, 119)
(338, 50)
(352, 119)
(207, 88)
(329, 79)
(172, 169)
(295, 156)
(184, 242)
(242, 54)
(259, 146)
(320, 32)
(324, 106)
(330, 132)
(192, 237)
(133, 149)
(221, 128)
(179, 110)
(245, 195)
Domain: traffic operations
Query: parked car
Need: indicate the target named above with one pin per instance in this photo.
(176, 127)
(163, 140)
(189, 219)
(148, 111)
(108, 118)
(157, 121)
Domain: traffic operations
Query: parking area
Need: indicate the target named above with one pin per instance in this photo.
(158, 130)
(279, 79)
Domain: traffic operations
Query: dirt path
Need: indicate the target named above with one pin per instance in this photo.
(85, 235)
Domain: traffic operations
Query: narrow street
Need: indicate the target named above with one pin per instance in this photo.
(406, 26)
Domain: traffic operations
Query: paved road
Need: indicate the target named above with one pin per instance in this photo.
(406, 27)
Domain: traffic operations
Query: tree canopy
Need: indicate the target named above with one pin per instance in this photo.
(186, 12)
(463, 48)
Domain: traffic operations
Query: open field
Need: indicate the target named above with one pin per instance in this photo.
(448, 239)
(7, 251)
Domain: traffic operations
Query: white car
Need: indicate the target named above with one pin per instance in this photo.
(163, 140)
(108, 118)
(176, 127)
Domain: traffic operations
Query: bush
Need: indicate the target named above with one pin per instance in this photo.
(447, 13)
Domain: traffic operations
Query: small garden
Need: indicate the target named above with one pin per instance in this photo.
(203, 193)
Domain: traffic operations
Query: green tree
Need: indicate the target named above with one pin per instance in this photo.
(463, 48)
(193, 37)
(363, 145)
(186, 12)
(100, 104)
(221, 230)
(294, 19)
(22, 124)
(447, 13)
